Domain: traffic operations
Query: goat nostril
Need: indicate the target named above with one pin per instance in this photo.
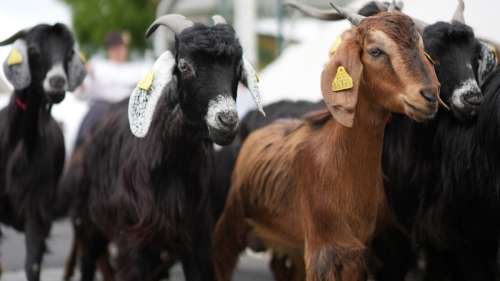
(429, 94)
(227, 119)
(474, 99)
(57, 82)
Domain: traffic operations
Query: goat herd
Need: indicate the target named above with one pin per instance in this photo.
(383, 183)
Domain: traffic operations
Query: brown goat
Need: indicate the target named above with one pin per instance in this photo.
(313, 189)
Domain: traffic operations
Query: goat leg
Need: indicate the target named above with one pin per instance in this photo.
(280, 269)
(330, 262)
(37, 232)
(93, 247)
(69, 266)
(229, 238)
(163, 272)
(105, 268)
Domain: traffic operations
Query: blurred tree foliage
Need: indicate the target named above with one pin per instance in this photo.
(93, 19)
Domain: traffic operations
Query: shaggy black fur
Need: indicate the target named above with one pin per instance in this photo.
(417, 159)
(458, 223)
(32, 147)
(150, 195)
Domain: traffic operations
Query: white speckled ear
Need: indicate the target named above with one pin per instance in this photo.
(250, 79)
(16, 67)
(144, 98)
(487, 62)
(76, 69)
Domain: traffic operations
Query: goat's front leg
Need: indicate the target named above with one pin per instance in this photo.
(328, 261)
(70, 264)
(37, 232)
(332, 251)
(92, 249)
(288, 267)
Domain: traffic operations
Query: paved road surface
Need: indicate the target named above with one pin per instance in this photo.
(251, 268)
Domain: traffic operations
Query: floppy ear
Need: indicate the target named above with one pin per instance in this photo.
(76, 69)
(250, 79)
(249, 76)
(340, 79)
(144, 98)
(486, 63)
(16, 67)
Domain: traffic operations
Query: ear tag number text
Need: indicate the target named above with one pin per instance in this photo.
(342, 80)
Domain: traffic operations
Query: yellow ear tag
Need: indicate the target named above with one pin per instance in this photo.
(336, 45)
(147, 81)
(15, 57)
(83, 58)
(342, 80)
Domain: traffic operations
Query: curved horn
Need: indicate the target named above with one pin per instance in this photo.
(176, 23)
(20, 34)
(380, 6)
(331, 15)
(393, 6)
(493, 44)
(218, 19)
(354, 18)
(400, 5)
(458, 16)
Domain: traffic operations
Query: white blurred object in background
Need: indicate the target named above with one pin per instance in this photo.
(245, 19)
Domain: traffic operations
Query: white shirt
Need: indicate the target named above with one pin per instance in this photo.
(112, 81)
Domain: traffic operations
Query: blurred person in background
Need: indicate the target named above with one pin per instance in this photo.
(109, 80)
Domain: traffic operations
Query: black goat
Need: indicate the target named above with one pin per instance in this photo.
(449, 199)
(150, 195)
(44, 63)
(415, 162)
(458, 222)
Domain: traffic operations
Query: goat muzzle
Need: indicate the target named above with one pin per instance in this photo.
(222, 119)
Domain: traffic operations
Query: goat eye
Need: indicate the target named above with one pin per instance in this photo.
(375, 52)
(70, 54)
(184, 66)
(32, 51)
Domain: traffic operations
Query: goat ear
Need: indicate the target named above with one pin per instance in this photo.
(250, 79)
(145, 97)
(76, 69)
(16, 67)
(340, 79)
(486, 63)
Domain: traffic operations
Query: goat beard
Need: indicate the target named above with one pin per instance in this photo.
(55, 97)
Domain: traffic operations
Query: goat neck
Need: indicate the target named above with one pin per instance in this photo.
(356, 159)
(367, 133)
(28, 113)
(170, 129)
